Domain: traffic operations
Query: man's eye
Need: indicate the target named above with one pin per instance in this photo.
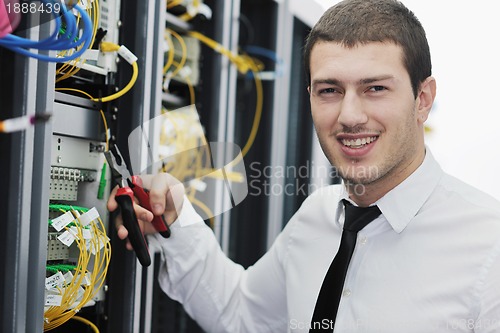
(377, 88)
(327, 91)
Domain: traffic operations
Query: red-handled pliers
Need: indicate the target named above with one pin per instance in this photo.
(130, 186)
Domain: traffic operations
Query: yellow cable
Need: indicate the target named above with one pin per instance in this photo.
(187, 16)
(57, 315)
(244, 64)
(183, 60)
(71, 65)
(105, 129)
(241, 62)
(108, 47)
(174, 3)
(189, 84)
(125, 89)
(88, 322)
(258, 111)
(171, 52)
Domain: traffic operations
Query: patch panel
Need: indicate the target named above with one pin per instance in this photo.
(55, 249)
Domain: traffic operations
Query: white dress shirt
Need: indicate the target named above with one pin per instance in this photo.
(430, 263)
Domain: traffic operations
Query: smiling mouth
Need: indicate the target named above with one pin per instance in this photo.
(359, 142)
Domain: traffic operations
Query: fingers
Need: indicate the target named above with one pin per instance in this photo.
(112, 204)
(143, 215)
(166, 195)
(175, 199)
(158, 193)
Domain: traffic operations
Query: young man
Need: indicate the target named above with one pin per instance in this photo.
(430, 262)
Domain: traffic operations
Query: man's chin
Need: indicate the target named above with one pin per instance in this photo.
(363, 176)
(358, 181)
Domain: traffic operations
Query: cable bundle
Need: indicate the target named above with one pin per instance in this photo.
(84, 279)
(192, 154)
(71, 68)
(65, 36)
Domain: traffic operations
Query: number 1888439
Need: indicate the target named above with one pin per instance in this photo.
(28, 7)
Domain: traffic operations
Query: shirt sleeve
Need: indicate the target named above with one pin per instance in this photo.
(488, 320)
(219, 294)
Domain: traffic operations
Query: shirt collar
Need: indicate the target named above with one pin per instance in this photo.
(403, 202)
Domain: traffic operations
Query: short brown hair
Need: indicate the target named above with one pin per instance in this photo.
(352, 22)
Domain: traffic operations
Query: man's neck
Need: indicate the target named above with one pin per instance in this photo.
(365, 195)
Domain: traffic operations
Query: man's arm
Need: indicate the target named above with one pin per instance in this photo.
(219, 294)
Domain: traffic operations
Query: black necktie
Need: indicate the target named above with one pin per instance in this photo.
(325, 312)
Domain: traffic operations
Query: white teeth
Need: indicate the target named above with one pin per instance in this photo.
(358, 143)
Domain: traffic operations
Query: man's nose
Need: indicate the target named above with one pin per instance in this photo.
(352, 111)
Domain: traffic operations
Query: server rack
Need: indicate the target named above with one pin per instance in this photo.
(132, 300)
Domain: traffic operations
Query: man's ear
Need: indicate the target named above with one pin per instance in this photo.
(309, 89)
(425, 99)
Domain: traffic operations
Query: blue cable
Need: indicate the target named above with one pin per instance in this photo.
(13, 40)
(258, 50)
(68, 40)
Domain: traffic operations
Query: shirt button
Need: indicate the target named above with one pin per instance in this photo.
(346, 293)
(363, 240)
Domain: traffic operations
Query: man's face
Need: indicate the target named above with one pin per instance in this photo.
(369, 123)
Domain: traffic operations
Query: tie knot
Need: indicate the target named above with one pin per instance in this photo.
(356, 218)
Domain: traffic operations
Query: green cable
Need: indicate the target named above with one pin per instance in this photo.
(63, 268)
(65, 208)
(59, 207)
(102, 183)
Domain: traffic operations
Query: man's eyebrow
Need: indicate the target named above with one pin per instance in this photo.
(360, 82)
(375, 79)
(327, 81)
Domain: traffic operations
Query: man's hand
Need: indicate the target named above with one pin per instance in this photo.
(166, 196)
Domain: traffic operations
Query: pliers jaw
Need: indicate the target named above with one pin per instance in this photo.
(125, 199)
(119, 170)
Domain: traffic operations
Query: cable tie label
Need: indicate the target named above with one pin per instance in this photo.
(68, 277)
(60, 222)
(74, 232)
(89, 216)
(203, 9)
(185, 72)
(127, 54)
(192, 10)
(198, 185)
(53, 300)
(66, 238)
(86, 279)
(54, 281)
(87, 234)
